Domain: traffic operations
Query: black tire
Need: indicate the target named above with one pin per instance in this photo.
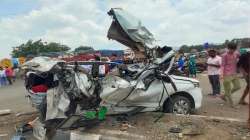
(173, 102)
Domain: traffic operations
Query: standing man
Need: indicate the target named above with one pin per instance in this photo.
(229, 72)
(213, 70)
(244, 65)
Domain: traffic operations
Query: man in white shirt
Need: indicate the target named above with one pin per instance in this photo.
(213, 70)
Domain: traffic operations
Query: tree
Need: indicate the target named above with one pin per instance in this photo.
(184, 49)
(84, 49)
(198, 48)
(35, 48)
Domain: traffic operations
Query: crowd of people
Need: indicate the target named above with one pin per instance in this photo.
(7, 76)
(190, 62)
(226, 68)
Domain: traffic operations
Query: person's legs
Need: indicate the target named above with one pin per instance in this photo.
(195, 72)
(1, 81)
(236, 84)
(245, 93)
(210, 77)
(9, 80)
(217, 84)
(14, 78)
(227, 88)
(214, 85)
(191, 73)
(5, 81)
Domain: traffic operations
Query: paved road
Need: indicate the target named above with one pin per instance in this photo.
(13, 97)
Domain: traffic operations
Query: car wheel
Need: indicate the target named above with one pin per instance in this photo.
(178, 105)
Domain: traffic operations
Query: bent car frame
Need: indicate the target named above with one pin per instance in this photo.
(126, 89)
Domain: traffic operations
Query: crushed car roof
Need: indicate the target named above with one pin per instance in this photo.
(129, 31)
(41, 64)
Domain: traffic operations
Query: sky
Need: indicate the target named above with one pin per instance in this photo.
(85, 22)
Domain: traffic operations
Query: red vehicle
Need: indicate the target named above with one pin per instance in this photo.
(82, 57)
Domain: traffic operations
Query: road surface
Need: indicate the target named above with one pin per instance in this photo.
(13, 97)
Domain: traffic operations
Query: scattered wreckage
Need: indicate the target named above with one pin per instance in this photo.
(69, 96)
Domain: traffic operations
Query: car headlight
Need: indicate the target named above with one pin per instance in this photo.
(196, 84)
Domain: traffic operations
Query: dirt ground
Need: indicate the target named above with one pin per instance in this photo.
(12, 97)
(191, 128)
(217, 107)
(144, 126)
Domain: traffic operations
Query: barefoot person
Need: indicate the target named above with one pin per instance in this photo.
(229, 72)
(244, 65)
(213, 70)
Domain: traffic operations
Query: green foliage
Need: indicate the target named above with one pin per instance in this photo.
(84, 49)
(241, 43)
(35, 48)
(188, 49)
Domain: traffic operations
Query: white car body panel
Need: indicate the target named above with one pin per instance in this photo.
(185, 84)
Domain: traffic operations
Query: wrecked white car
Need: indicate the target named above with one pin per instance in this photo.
(62, 91)
(152, 88)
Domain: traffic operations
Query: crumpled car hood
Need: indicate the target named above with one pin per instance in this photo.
(184, 78)
(41, 64)
(128, 30)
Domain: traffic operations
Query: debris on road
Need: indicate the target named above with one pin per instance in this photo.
(5, 112)
(3, 135)
(175, 130)
(142, 127)
(124, 127)
(26, 113)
